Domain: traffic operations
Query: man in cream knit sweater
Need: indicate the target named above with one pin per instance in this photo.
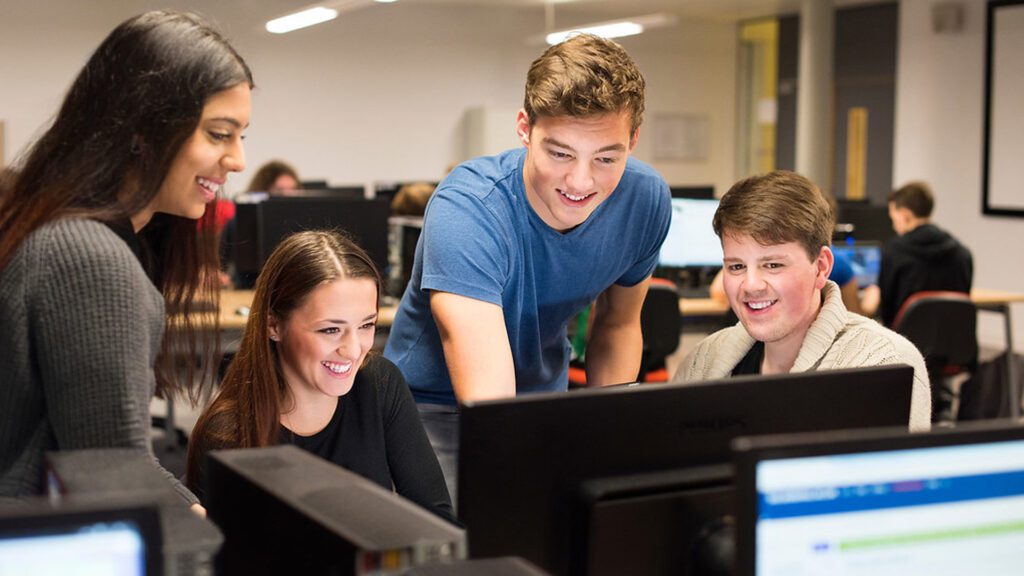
(776, 230)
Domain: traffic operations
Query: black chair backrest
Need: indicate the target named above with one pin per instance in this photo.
(660, 322)
(943, 326)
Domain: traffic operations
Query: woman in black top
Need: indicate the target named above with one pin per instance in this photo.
(302, 375)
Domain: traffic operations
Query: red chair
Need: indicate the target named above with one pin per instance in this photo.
(943, 326)
(660, 323)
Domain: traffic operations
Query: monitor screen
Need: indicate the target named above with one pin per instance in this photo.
(865, 258)
(876, 503)
(538, 471)
(260, 225)
(114, 541)
(863, 221)
(691, 241)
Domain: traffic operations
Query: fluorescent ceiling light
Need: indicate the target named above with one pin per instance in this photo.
(302, 19)
(614, 28)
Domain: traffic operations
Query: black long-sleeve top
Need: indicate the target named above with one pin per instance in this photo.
(376, 432)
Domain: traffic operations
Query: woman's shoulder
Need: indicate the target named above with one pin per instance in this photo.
(81, 242)
(380, 375)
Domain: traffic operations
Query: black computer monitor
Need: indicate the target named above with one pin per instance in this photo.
(695, 192)
(691, 240)
(313, 184)
(260, 226)
(38, 538)
(608, 481)
(873, 502)
(286, 511)
(862, 221)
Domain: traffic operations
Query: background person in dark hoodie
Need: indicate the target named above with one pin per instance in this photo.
(923, 256)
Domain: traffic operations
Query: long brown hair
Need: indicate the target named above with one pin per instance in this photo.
(132, 107)
(246, 411)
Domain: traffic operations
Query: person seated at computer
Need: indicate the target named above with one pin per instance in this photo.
(857, 299)
(411, 199)
(304, 375)
(776, 229)
(276, 178)
(922, 256)
(101, 260)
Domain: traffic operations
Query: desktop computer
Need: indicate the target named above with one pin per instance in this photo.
(632, 479)
(121, 538)
(286, 511)
(882, 502)
(107, 476)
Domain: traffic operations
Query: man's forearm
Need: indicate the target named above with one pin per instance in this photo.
(613, 354)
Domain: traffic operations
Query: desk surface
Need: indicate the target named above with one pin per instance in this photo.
(232, 300)
(711, 307)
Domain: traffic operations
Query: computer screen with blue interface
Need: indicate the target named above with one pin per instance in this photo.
(691, 241)
(930, 510)
(112, 548)
(864, 257)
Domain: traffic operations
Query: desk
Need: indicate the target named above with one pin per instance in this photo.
(988, 300)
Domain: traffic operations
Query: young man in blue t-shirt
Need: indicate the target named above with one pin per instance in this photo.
(515, 245)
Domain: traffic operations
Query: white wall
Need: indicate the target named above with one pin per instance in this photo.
(380, 93)
(939, 132)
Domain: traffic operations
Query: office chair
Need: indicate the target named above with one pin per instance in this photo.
(660, 323)
(943, 326)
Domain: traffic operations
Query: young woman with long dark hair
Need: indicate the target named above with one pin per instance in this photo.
(101, 262)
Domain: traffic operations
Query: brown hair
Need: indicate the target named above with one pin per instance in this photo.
(775, 208)
(134, 104)
(916, 197)
(585, 75)
(411, 199)
(246, 412)
(268, 174)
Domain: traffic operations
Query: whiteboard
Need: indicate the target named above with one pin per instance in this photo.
(1003, 176)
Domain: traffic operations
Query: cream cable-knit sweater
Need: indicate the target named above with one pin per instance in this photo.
(836, 339)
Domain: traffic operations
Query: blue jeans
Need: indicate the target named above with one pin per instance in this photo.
(441, 422)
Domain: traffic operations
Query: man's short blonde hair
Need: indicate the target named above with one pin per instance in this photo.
(583, 76)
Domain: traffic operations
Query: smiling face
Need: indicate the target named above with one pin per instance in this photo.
(774, 290)
(573, 164)
(201, 166)
(322, 344)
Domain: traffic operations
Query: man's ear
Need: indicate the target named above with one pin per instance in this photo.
(523, 126)
(824, 263)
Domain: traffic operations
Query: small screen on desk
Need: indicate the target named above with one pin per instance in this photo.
(691, 241)
(897, 504)
(102, 542)
(865, 258)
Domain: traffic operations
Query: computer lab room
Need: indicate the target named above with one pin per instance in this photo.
(511, 287)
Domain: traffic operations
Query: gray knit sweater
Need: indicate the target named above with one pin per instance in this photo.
(836, 339)
(80, 328)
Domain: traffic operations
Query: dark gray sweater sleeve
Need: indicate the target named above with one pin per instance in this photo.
(97, 329)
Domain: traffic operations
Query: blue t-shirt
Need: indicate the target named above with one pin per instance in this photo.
(481, 239)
